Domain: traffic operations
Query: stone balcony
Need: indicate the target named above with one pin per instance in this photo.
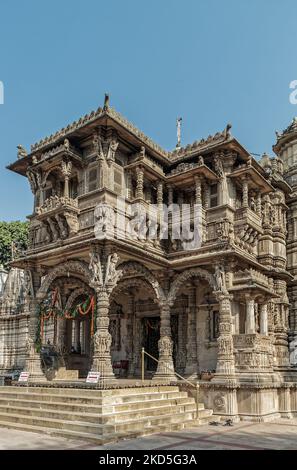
(58, 217)
(247, 228)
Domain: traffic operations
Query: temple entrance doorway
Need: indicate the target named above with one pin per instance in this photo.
(151, 336)
(78, 341)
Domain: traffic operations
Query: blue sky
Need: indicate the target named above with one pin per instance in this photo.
(210, 61)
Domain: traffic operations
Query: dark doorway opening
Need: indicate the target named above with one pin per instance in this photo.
(151, 335)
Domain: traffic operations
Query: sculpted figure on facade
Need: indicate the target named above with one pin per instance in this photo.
(104, 220)
(220, 278)
(96, 269)
(113, 145)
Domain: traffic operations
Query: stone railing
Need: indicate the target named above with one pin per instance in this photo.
(55, 202)
(65, 147)
(183, 167)
(247, 215)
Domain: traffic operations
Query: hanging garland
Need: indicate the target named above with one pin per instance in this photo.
(49, 309)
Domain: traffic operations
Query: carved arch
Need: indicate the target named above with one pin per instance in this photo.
(130, 268)
(75, 294)
(180, 280)
(126, 284)
(75, 268)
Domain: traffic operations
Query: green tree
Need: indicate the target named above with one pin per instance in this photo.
(12, 234)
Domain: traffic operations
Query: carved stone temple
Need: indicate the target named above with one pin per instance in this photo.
(222, 312)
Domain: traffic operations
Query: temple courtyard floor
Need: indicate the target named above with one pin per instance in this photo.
(279, 434)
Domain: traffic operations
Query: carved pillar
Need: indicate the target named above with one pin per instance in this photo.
(130, 332)
(259, 204)
(139, 183)
(245, 193)
(198, 199)
(66, 171)
(33, 361)
(137, 345)
(62, 347)
(250, 326)
(160, 195)
(191, 365)
(170, 194)
(129, 185)
(102, 338)
(165, 369)
(181, 359)
(206, 196)
(264, 320)
(225, 362)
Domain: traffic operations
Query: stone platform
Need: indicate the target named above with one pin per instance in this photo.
(99, 416)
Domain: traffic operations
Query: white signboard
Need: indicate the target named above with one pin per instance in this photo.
(24, 376)
(93, 378)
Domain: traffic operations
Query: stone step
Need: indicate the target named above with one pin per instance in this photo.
(125, 427)
(89, 408)
(91, 400)
(117, 417)
(86, 392)
(100, 415)
(93, 438)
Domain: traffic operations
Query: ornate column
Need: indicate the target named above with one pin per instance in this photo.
(137, 344)
(61, 342)
(250, 326)
(160, 201)
(104, 278)
(198, 199)
(165, 369)
(130, 332)
(225, 362)
(139, 183)
(206, 196)
(33, 361)
(264, 320)
(170, 194)
(160, 195)
(191, 364)
(129, 185)
(245, 193)
(66, 171)
(102, 338)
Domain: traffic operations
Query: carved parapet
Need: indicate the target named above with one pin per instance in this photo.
(59, 218)
(66, 147)
(250, 276)
(253, 351)
(55, 202)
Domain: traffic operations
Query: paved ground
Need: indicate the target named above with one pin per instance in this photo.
(280, 434)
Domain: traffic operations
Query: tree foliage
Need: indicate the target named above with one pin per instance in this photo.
(12, 233)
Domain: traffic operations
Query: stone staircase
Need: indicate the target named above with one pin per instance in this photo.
(99, 416)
